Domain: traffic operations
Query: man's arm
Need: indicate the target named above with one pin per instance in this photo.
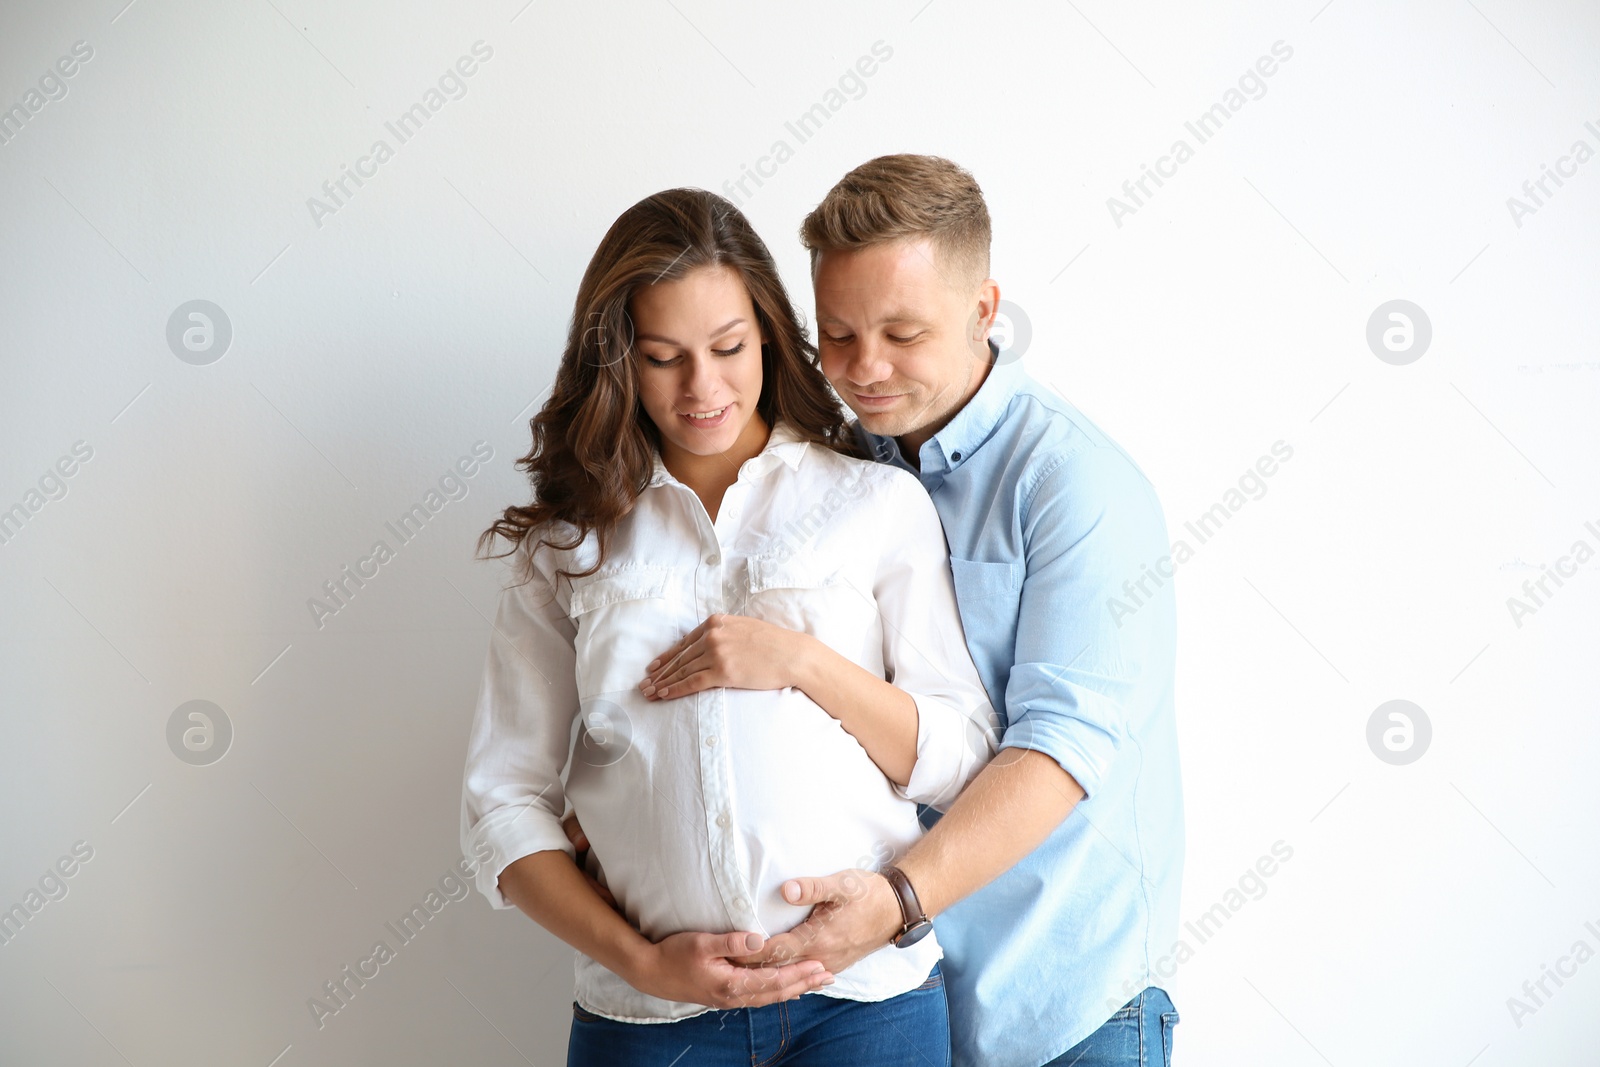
(1016, 802)
(1013, 804)
(1089, 526)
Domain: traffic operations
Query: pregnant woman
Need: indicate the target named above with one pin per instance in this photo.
(732, 646)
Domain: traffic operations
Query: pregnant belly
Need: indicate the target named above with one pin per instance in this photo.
(719, 799)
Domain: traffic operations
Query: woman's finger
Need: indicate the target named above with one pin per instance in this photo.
(697, 682)
(601, 891)
(695, 659)
(666, 658)
(702, 673)
(575, 834)
(676, 650)
(759, 986)
(676, 664)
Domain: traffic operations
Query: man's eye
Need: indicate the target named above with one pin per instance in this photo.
(734, 351)
(904, 340)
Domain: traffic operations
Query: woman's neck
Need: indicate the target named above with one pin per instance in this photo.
(709, 476)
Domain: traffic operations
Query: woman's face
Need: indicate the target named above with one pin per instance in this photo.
(699, 358)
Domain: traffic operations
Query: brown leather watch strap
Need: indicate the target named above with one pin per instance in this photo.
(915, 920)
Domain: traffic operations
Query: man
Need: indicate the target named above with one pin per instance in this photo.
(1055, 876)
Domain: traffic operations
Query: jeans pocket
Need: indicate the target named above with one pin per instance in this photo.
(1169, 1019)
(1130, 1010)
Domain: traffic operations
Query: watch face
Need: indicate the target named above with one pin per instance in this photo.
(913, 935)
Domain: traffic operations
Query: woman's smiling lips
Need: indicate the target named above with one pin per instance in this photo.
(699, 419)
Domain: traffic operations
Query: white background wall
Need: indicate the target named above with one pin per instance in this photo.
(371, 351)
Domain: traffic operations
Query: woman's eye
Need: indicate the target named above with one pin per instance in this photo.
(654, 362)
(836, 340)
(734, 351)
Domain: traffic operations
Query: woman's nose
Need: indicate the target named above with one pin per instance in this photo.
(700, 377)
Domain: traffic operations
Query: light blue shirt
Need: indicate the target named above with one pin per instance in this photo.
(1058, 547)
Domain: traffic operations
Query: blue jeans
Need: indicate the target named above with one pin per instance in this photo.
(1138, 1035)
(912, 1029)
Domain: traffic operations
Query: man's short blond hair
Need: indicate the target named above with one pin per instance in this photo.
(903, 197)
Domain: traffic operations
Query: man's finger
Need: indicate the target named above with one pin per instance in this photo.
(780, 949)
(575, 834)
(808, 892)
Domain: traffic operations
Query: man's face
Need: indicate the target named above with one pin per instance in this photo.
(900, 338)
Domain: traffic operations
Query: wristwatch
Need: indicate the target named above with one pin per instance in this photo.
(917, 925)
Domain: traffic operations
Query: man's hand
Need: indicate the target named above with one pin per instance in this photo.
(696, 968)
(728, 651)
(580, 844)
(853, 913)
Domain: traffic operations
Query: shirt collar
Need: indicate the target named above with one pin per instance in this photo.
(970, 427)
(784, 445)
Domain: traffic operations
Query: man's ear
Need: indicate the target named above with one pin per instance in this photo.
(983, 313)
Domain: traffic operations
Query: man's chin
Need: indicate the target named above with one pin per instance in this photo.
(882, 423)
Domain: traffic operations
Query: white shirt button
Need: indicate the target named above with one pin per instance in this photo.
(742, 904)
(724, 820)
(711, 742)
(713, 559)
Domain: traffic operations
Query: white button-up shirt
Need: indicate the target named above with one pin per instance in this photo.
(700, 807)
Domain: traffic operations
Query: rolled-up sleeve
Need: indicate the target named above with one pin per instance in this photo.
(511, 797)
(925, 650)
(1095, 612)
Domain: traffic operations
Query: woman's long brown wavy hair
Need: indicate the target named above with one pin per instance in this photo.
(593, 443)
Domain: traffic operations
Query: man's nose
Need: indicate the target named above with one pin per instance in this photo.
(868, 363)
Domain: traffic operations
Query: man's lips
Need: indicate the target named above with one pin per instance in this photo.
(877, 401)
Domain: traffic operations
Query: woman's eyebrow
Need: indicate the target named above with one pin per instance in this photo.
(718, 332)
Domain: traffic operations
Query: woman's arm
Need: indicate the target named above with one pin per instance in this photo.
(930, 726)
(744, 653)
(924, 644)
(512, 800)
(549, 889)
(690, 967)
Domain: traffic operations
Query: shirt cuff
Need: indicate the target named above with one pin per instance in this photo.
(952, 747)
(1078, 727)
(513, 834)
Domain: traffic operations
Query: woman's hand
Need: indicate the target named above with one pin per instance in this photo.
(696, 968)
(738, 652)
(734, 651)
